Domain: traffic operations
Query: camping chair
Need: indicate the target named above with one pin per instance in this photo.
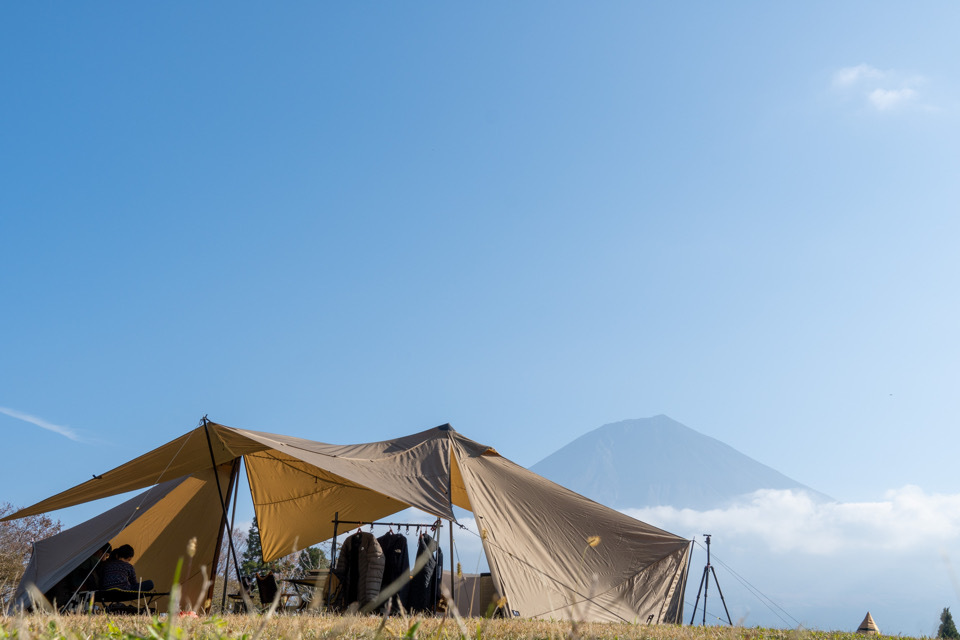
(268, 589)
(309, 587)
(238, 600)
(84, 599)
(117, 600)
(76, 600)
(333, 593)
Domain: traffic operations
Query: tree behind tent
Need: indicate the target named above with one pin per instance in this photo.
(225, 566)
(16, 540)
(295, 565)
(310, 559)
(251, 562)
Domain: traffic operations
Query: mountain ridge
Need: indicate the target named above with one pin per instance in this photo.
(658, 461)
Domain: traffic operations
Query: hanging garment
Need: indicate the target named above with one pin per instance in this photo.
(396, 565)
(360, 569)
(437, 581)
(425, 585)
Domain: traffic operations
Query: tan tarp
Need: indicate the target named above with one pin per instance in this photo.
(160, 536)
(157, 523)
(536, 534)
(181, 457)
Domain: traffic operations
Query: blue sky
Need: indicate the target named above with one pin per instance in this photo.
(353, 222)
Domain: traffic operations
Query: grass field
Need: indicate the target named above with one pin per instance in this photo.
(307, 627)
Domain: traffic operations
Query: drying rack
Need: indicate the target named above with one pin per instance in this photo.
(436, 526)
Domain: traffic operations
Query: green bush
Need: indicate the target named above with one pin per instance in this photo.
(947, 628)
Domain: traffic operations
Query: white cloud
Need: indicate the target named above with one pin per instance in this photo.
(883, 90)
(43, 424)
(884, 99)
(851, 75)
(907, 520)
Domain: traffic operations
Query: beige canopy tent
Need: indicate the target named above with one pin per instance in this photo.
(552, 553)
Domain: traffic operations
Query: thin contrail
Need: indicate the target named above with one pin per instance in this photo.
(43, 424)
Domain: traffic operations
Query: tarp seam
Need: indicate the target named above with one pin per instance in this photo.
(327, 455)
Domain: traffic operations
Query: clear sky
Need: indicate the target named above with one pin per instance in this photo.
(349, 222)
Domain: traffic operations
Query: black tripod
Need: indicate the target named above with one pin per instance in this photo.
(704, 583)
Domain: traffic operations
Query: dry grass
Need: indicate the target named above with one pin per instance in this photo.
(310, 627)
(316, 625)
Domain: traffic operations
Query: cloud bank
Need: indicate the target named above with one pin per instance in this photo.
(906, 520)
(43, 424)
(785, 558)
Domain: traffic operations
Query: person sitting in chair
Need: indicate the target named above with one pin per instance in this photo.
(118, 573)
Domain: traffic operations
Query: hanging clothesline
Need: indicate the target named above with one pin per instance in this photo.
(337, 522)
(361, 523)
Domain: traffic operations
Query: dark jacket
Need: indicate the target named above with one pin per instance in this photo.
(425, 585)
(360, 568)
(396, 565)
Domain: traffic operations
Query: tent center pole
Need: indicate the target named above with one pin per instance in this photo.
(223, 503)
(453, 575)
(234, 481)
(438, 572)
(333, 543)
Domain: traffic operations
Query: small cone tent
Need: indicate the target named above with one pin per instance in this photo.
(868, 626)
(535, 533)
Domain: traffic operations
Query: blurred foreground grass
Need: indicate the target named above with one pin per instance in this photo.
(308, 627)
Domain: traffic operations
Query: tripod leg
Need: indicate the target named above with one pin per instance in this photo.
(721, 595)
(706, 587)
(699, 591)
